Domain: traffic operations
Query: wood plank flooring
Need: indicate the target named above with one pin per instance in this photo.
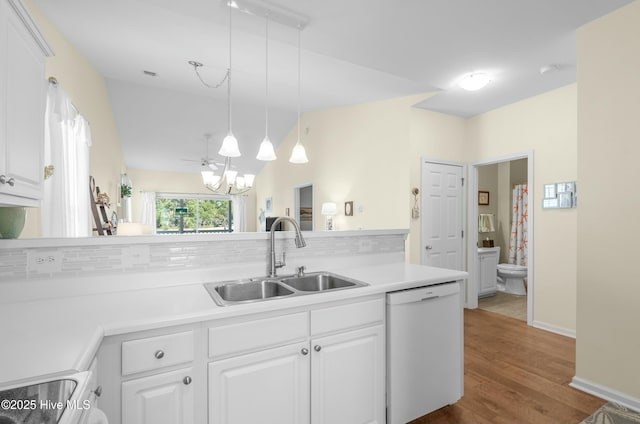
(515, 374)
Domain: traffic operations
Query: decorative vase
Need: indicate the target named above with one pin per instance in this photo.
(12, 222)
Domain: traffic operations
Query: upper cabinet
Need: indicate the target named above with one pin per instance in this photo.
(22, 106)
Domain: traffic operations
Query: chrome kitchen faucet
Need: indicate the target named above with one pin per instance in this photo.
(273, 265)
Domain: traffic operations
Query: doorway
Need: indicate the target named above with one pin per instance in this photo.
(498, 177)
(303, 206)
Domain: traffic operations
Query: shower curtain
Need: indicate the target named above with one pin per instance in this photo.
(518, 244)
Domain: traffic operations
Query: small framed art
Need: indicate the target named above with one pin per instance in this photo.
(483, 197)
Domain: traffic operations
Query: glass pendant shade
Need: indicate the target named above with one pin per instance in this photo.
(248, 179)
(207, 177)
(240, 183)
(229, 147)
(266, 151)
(298, 154)
(231, 176)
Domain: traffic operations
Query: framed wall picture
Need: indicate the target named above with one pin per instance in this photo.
(483, 197)
(268, 204)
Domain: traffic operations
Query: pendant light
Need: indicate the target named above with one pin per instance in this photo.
(298, 154)
(266, 152)
(229, 146)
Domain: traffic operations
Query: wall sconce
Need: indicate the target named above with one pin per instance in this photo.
(329, 210)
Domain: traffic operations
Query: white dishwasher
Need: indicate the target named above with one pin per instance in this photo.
(424, 350)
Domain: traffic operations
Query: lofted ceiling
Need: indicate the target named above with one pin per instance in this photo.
(352, 51)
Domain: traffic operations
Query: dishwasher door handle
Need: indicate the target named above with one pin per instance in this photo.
(435, 296)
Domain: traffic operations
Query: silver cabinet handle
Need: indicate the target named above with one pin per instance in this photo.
(428, 247)
(187, 380)
(11, 181)
(304, 351)
(317, 348)
(159, 354)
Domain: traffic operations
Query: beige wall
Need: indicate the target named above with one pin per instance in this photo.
(547, 125)
(356, 153)
(88, 92)
(370, 153)
(433, 136)
(608, 346)
(176, 182)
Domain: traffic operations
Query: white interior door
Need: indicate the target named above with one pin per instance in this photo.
(442, 225)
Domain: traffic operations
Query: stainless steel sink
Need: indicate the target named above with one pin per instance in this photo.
(246, 291)
(260, 289)
(320, 281)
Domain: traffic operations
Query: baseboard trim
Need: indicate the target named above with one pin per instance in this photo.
(555, 329)
(605, 393)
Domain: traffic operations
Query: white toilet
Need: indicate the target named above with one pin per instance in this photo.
(511, 279)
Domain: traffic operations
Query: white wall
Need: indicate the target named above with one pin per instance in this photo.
(608, 346)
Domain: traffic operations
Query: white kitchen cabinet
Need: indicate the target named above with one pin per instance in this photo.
(333, 373)
(22, 106)
(488, 258)
(270, 386)
(155, 376)
(166, 398)
(347, 377)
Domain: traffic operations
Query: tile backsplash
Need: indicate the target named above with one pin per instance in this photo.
(70, 261)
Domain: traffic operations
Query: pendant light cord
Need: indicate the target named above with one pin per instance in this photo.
(266, 80)
(229, 72)
(299, 31)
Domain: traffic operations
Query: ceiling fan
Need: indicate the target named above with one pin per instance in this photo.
(206, 161)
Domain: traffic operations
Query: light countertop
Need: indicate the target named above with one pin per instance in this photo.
(59, 336)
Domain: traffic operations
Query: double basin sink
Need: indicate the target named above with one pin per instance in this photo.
(265, 288)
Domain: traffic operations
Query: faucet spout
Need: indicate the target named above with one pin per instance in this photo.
(299, 240)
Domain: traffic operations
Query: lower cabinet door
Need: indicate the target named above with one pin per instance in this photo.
(347, 378)
(166, 398)
(271, 386)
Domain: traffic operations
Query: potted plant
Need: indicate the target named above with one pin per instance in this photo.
(125, 190)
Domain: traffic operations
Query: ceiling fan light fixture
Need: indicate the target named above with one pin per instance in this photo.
(474, 81)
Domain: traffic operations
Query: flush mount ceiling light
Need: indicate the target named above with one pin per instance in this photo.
(474, 81)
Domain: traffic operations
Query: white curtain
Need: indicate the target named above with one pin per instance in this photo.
(65, 207)
(239, 210)
(148, 213)
(518, 244)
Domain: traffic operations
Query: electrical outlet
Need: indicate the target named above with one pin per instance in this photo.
(365, 245)
(44, 261)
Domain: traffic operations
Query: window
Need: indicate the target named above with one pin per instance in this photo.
(193, 213)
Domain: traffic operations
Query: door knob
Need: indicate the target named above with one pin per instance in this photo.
(159, 354)
(304, 351)
(187, 380)
(317, 348)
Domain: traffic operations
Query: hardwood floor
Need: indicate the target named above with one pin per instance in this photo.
(515, 374)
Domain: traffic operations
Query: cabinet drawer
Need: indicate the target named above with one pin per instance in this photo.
(157, 352)
(347, 316)
(257, 334)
